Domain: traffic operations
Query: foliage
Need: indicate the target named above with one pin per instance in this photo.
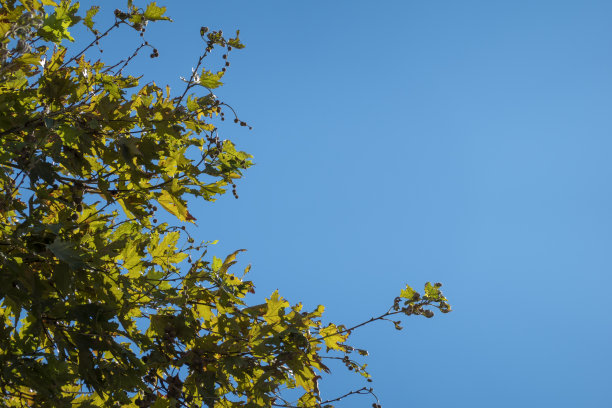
(101, 305)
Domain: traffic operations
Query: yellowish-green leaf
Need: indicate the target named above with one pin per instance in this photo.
(216, 264)
(433, 292)
(230, 260)
(276, 307)
(210, 80)
(153, 12)
(332, 337)
(174, 206)
(408, 293)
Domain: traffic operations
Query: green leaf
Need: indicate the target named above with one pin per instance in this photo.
(153, 12)
(161, 403)
(88, 20)
(65, 252)
(55, 26)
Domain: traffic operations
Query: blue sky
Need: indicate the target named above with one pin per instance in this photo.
(410, 141)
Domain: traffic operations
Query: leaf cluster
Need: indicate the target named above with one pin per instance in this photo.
(101, 304)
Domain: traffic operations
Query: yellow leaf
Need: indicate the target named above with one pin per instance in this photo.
(276, 305)
(174, 206)
(127, 212)
(230, 260)
(205, 312)
(332, 338)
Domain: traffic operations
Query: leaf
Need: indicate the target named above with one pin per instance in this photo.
(308, 400)
(276, 307)
(432, 292)
(4, 28)
(230, 260)
(153, 12)
(55, 26)
(65, 252)
(210, 80)
(167, 244)
(204, 311)
(161, 403)
(88, 20)
(174, 206)
(216, 264)
(50, 123)
(42, 170)
(235, 42)
(332, 337)
(408, 293)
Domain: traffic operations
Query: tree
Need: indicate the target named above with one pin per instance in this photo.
(102, 305)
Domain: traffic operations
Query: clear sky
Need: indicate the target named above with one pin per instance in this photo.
(466, 142)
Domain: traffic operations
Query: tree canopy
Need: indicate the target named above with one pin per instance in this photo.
(101, 304)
